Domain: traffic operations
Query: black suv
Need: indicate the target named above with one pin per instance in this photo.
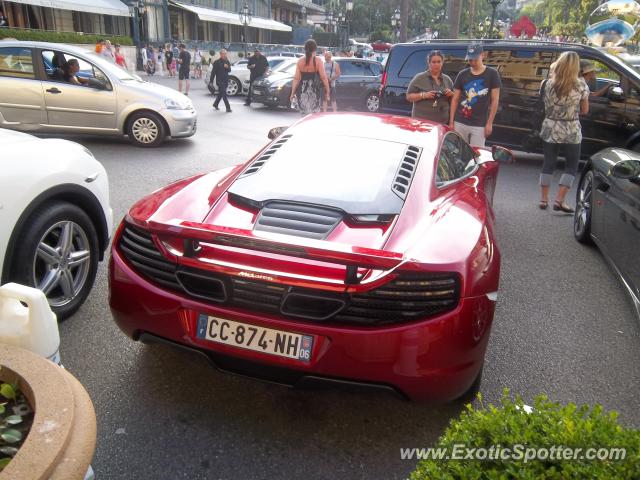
(358, 85)
(613, 119)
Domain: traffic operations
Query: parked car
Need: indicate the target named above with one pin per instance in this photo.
(285, 54)
(369, 262)
(380, 46)
(613, 119)
(608, 213)
(55, 216)
(34, 96)
(357, 87)
(239, 76)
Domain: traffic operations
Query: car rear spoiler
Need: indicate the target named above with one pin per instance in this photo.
(353, 257)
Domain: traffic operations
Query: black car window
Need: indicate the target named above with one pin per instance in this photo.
(456, 159)
(374, 69)
(520, 69)
(414, 64)
(16, 62)
(352, 69)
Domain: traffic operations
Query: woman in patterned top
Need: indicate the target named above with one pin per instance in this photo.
(566, 96)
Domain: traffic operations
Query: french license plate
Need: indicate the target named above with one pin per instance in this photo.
(253, 337)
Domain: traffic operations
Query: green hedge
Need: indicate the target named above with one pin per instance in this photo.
(60, 37)
(326, 39)
(549, 424)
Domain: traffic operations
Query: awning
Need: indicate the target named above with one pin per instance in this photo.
(104, 7)
(222, 16)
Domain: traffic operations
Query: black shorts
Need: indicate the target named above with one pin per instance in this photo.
(183, 75)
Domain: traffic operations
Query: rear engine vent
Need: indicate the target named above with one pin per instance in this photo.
(405, 172)
(201, 285)
(300, 220)
(312, 305)
(408, 297)
(262, 159)
(138, 248)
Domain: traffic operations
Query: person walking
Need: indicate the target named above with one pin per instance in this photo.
(120, 60)
(431, 91)
(143, 56)
(309, 74)
(221, 69)
(258, 65)
(159, 57)
(476, 93)
(566, 96)
(184, 61)
(168, 60)
(332, 71)
(197, 59)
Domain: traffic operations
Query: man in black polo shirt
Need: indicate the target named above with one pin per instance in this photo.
(476, 93)
(258, 65)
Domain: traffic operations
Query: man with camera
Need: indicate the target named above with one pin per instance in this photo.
(431, 91)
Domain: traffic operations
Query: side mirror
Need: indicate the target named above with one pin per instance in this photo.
(502, 155)
(616, 94)
(276, 132)
(627, 170)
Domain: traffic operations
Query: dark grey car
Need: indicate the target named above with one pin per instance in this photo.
(608, 212)
(357, 87)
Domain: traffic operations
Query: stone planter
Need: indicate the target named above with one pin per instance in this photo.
(62, 439)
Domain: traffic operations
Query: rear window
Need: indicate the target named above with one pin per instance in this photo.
(417, 62)
(16, 62)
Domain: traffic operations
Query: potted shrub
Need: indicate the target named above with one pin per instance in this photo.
(549, 441)
(62, 438)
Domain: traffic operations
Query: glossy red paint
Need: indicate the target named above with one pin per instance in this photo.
(440, 229)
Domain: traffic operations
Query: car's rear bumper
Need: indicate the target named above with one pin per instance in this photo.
(430, 360)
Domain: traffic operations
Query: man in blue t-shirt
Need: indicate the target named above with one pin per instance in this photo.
(475, 99)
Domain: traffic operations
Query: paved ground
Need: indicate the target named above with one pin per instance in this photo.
(563, 327)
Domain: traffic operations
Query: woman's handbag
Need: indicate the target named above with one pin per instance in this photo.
(533, 141)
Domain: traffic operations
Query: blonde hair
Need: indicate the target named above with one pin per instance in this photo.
(565, 74)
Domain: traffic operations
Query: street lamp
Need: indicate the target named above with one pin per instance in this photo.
(494, 5)
(395, 22)
(349, 8)
(245, 17)
(341, 25)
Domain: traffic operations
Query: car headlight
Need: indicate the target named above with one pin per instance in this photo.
(172, 104)
(280, 84)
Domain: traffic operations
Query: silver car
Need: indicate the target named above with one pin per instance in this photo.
(35, 97)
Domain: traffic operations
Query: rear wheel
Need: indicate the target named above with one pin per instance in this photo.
(584, 205)
(58, 254)
(146, 129)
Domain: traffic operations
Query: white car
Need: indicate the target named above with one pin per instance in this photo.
(55, 216)
(239, 76)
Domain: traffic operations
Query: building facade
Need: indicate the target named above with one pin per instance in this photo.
(159, 21)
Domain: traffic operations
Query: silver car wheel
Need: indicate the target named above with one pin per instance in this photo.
(62, 262)
(145, 130)
(373, 103)
(233, 87)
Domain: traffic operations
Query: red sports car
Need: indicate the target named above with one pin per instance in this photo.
(369, 261)
(380, 46)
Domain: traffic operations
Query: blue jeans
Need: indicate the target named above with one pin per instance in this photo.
(571, 155)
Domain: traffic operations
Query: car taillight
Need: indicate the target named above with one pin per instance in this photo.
(383, 83)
